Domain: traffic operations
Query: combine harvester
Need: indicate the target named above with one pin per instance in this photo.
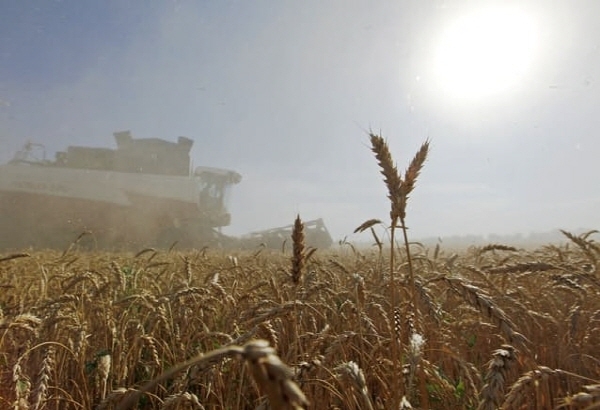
(316, 235)
(144, 193)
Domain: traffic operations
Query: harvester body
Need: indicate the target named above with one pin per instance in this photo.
(144, 193)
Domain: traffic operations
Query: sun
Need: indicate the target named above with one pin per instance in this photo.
(485, 53)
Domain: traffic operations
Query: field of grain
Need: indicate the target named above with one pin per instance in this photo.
(380, 328)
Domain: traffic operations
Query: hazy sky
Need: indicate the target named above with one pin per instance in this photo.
(283, 92)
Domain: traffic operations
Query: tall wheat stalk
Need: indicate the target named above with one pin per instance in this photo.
(298, 260)
(398, 192)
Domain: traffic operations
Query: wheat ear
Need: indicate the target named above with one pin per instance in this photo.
(298, 250)
(350, 372)
(492, 393)
(391, 177)
(588, 399)
(272, 376)
(40, 391)
(410, 177)
(531, 381)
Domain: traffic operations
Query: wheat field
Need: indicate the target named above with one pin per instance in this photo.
(386, 327)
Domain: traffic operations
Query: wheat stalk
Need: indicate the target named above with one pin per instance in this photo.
(270, 373)
(398, 192)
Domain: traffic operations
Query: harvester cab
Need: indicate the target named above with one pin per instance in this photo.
(214, 187)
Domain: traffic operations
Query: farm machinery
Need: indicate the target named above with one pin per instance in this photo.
(143, 193)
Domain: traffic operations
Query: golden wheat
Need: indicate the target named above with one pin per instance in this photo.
(359, 328)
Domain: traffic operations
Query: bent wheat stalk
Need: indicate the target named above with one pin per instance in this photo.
(272, 376)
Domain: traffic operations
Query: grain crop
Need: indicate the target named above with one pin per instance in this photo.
(384, 327)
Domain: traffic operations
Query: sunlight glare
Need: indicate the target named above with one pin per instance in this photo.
(485, 53)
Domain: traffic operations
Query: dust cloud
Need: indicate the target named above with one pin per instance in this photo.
(283, 94)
